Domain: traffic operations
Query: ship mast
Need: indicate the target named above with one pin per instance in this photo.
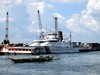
(40, 26)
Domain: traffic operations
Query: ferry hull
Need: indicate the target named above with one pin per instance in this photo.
(18, 50)
(58, 50)
(14, 53)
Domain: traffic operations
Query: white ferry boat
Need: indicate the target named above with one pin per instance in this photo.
(51, 44)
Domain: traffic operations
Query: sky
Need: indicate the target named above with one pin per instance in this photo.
(80, 17)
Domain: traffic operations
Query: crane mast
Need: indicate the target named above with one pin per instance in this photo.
(40, 26)
(6, 40)
(6, 36)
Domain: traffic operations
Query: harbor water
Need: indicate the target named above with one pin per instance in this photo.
(63, 64)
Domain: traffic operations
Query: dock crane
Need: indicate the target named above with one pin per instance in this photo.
(6, 40)
(40, 26)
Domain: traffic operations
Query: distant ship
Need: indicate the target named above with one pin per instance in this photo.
(50, 43)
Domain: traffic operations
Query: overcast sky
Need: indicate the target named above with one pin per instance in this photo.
(81, 17)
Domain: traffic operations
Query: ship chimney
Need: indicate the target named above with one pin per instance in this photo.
(60, 35)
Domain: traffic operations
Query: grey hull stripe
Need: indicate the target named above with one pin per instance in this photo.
(47, 50)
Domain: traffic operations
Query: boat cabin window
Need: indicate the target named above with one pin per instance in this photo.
(39, 41)
(53, 41)
(19, 49)
(30, 50)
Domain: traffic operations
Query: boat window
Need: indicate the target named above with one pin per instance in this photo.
(29, 49)
(19, 49)
(16, 49)
(53, 41)
(23, 49)
(10, 49)
(39, 41)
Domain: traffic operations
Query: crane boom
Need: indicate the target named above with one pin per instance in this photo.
(40, 26)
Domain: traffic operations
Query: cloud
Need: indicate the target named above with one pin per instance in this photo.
(58, 16)
(61, 19)
(5, 2)
(41, 6)
(38, 5)
(18, 2)
(69, 1)
(5, 6)
(33, 14)
(87, 22)
(45, 12)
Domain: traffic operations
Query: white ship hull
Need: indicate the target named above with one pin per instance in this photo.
(51, 49)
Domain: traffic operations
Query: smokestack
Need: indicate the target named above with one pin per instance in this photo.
(60, 35)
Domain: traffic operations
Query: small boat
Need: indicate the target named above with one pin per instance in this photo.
(34, 59)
